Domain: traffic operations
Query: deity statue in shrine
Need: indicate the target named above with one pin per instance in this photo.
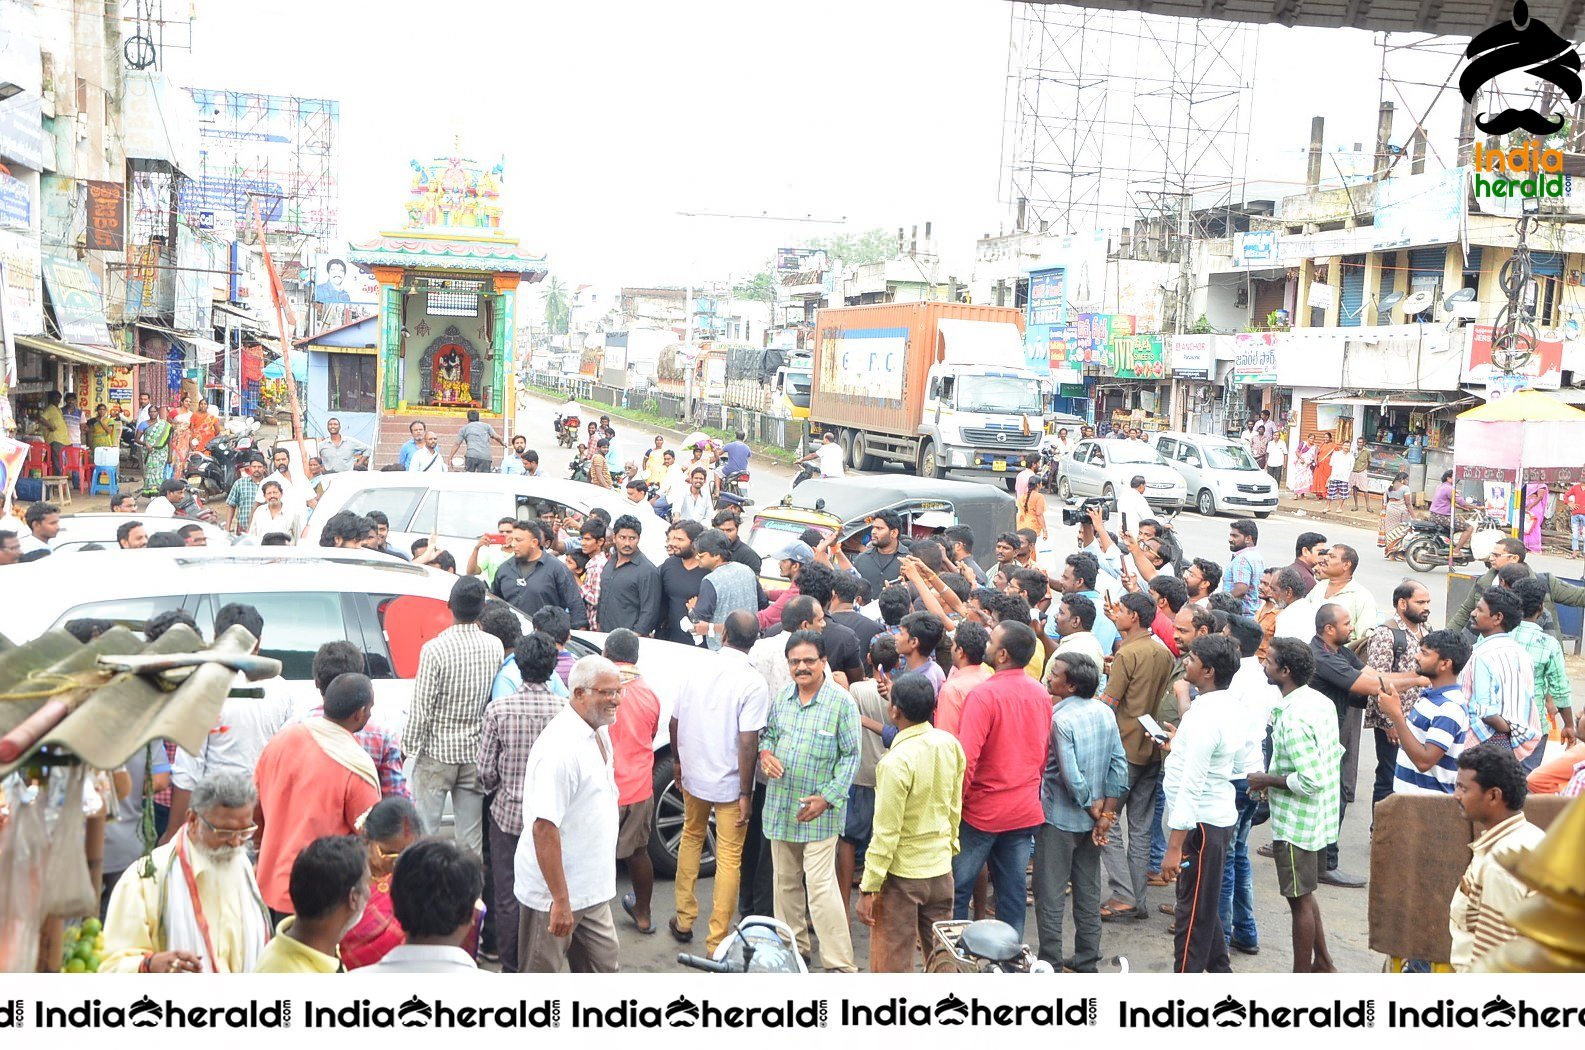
(452, 368)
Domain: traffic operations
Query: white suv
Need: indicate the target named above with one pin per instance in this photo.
(1219, 474)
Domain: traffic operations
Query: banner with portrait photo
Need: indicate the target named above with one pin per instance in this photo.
(337, 281)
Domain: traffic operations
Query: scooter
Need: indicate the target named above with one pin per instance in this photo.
(1429, 546)
(760, 944)
(215, 469)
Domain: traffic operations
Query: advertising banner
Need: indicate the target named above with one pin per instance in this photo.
(1255, 250)
(1136, 357)
(1190, 356)
(1429, 208)
(16, 204)
(1045, 342)
(1255, 358)
(77, 300)
(1543, 370)
(792, 260)
(24, 294)
(337, 281)
(1090, 337)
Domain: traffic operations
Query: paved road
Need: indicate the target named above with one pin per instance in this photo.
(1146, 943)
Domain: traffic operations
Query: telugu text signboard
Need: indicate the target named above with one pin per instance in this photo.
(107, 229)
(1255, 358)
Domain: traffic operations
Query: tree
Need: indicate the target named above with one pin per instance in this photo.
(558, 308)
(761, 288)
(872, 246)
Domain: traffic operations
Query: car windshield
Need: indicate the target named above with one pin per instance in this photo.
(998, 394)
(1132, 452)
(770, 536)
(1229, 457)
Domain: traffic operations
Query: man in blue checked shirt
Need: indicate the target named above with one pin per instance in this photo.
(1086, 773)
(1241, 578)
(809, 751)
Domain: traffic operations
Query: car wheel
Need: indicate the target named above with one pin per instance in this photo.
(665, 837)
(1205, 503)
(1064, 489)
(1108, 492)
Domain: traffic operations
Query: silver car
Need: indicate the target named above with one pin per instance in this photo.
(1220, 474)
(1105, 466)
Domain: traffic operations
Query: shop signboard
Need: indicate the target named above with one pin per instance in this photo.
(24, 298)
(1090, 337)
(107, 227)
(1191, 356)
(795, 260)
(22, 130)
(1428, 208)
(1542, 371)
(16, 203)
(1255, 250)
(1255, 358)
(1136, 357)
(78, 303)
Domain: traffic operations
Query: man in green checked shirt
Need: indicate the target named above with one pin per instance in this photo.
(1303, 779)
(809, 751)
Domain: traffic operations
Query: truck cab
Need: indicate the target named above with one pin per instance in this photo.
(980, 418)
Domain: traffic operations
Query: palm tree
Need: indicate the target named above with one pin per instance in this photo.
(557, 306)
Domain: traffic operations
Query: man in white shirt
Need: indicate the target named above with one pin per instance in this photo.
(715, 736)
(1255, 698)
(1207, 753)
(1296, 618)
(162, 504)
(828, 455)
(693, 503)
(566, 859)
(245, 725)
(1131, 505)
(433, 891)
(298, 490)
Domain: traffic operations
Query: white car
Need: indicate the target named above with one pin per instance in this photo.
(80, 530)
(1105, 466)
(307, 597)
(1220, 474)
(461, 507)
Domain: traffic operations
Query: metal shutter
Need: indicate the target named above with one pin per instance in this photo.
(1351, 309)
(1546, 264)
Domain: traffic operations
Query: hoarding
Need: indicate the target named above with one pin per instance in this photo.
(1136, 357)
(865, 362)
(1543, 370)
(1255, 250)
(24, 299)
(16, 203)
(107, 216)
(1045, 342)
(1191, 356)
(77, 300)
(1429, 208)
(792, 260)
(336, 281)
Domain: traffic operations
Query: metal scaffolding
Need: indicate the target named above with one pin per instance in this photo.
(1116, 116)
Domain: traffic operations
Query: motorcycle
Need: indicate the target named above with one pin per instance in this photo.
(806, 471)
(736, 486)
(1429, 545)
(579, 470)
(215, 469)
(760, 944)
(566, 431)
(985, 946)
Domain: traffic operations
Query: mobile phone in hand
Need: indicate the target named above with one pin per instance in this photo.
(1153, 728)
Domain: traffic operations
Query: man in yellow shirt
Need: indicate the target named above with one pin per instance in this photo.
(907, 883)
(53, 425)
(329, 889)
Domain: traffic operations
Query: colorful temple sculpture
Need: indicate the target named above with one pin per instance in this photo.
(448, 285)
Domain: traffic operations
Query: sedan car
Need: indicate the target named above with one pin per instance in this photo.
(1220, 475)
(81, 530)
(461, 507)
(310, 596)
(1105, 466)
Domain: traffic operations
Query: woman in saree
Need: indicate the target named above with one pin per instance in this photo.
(206, 426)
(181, 443)
(1301, 472)
(1396, 517)
(156, 442)
(1536, 498)
(1322, 474)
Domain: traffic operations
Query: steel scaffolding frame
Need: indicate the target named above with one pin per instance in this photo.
(1114, 116)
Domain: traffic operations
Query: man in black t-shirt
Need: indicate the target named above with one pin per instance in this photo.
(680, 576)
(844, 595)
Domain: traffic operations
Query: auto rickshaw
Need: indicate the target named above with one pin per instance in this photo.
(843, 508)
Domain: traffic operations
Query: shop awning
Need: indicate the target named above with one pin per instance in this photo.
(1389, 401)
(93, 356)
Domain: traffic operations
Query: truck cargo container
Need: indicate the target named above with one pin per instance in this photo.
(939, 387)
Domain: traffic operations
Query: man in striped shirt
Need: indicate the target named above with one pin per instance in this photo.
(1499, 679)
(1432, 734)
(1490, 794)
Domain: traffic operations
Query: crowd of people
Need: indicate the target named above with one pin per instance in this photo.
(898, 737)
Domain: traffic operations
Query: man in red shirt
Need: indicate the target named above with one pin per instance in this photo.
(1004, 730)
(314, 779)
(633, 747)
(1171, 596)
(1574, 499)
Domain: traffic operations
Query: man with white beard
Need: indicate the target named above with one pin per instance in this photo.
(193, 906)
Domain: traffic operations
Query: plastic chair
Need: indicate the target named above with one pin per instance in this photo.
(38, 462)
(105, 479)
(75, 464)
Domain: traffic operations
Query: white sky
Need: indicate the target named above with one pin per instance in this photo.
(613, 116)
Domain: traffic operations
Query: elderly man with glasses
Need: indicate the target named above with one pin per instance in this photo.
(192, 906)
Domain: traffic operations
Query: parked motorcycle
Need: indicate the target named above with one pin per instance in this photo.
(579, 470)
(760, 944)
(1429, 546)
(214, 470)
(985, 946)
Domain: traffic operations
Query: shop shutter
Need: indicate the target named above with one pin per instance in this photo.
(1389, 272)
(1472, 263)
(1351, 309)
(1546, 264)
(1426, 261)
(1268, 296)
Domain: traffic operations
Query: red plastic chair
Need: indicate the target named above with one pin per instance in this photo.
(38, 461)
(77, 464)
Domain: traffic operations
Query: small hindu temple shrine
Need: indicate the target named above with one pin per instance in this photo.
(448, 285)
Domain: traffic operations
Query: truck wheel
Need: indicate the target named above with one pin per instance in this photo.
(929, 464)
(862, 460)
(845, 441)
(665, 835)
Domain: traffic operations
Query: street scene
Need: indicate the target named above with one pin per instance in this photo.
(1065, 513)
